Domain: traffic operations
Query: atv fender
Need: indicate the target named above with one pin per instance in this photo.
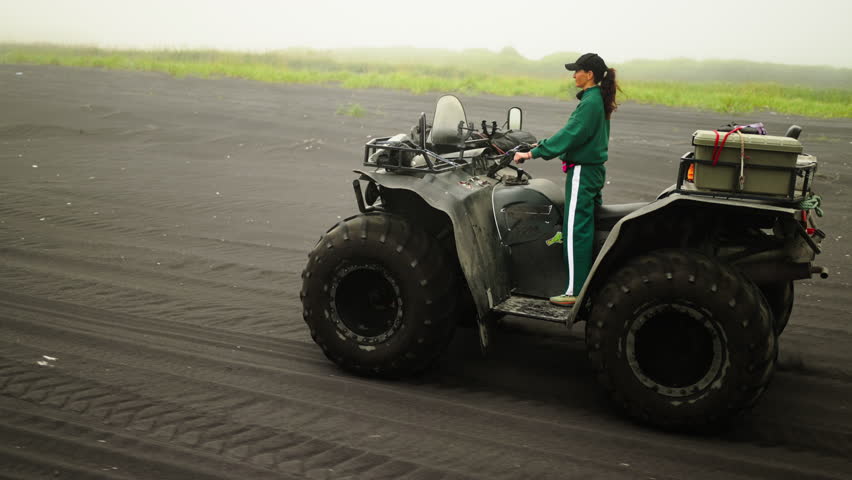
(609, 256)
(466, 200)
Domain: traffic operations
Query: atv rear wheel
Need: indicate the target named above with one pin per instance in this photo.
(378, 296)
(680, 340)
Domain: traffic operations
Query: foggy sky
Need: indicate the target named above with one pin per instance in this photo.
(814, 32)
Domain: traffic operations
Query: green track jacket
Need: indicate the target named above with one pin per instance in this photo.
(584, 139)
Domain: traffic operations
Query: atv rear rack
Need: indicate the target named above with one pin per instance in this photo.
(793, 196)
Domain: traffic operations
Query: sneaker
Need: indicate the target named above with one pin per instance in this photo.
(564, 300)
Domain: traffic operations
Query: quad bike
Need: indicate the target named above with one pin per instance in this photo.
(683, 306)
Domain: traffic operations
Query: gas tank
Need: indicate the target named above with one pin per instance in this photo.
(527, 216)
(527, 212)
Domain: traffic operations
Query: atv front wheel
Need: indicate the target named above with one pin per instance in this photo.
(378, 296)
(681, 340)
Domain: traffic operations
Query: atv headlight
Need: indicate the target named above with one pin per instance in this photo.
(372, 194)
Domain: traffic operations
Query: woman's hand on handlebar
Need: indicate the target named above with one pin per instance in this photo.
(520, 157)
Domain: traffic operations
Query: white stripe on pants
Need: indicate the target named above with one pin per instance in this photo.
(569, 229)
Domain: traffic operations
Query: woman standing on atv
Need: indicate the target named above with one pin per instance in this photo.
(582, 146)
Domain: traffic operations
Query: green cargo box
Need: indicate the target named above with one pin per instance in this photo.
(760, 151)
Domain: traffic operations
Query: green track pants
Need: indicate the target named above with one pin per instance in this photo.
(583, 184)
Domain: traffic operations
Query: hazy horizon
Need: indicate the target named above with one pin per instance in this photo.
(789, 32)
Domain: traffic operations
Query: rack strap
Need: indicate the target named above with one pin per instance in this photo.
(717, 148)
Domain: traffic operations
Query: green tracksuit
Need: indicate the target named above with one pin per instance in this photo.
(582, 143)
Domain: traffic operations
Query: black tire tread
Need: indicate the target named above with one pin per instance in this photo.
(390, 235)
(686, 269)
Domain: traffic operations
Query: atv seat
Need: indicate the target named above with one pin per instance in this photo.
(446, 136)
(606, 216)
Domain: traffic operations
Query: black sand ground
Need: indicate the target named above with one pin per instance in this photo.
(152, 234)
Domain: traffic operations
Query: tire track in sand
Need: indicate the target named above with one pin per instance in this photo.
(223, 396)
(45, 442)
(160, 421)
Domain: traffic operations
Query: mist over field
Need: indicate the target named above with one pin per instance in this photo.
(787, 32)
(510, 61)
(780, 58)
(506, 61)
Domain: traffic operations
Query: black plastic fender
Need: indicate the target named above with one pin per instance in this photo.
(608, 256)
(466, 200)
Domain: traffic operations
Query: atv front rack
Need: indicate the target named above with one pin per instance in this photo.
(393, 156)
(795, 193)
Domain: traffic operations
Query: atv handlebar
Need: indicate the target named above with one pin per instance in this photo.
(505, 161)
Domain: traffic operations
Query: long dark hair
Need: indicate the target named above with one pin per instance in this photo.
(608, 88)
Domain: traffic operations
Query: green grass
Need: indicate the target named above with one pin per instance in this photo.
(351, 110)
(473, 72)
(746, 98)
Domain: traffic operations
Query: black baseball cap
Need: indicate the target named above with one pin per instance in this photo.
(589, 61)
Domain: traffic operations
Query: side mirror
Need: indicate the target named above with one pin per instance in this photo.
(515, 118)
